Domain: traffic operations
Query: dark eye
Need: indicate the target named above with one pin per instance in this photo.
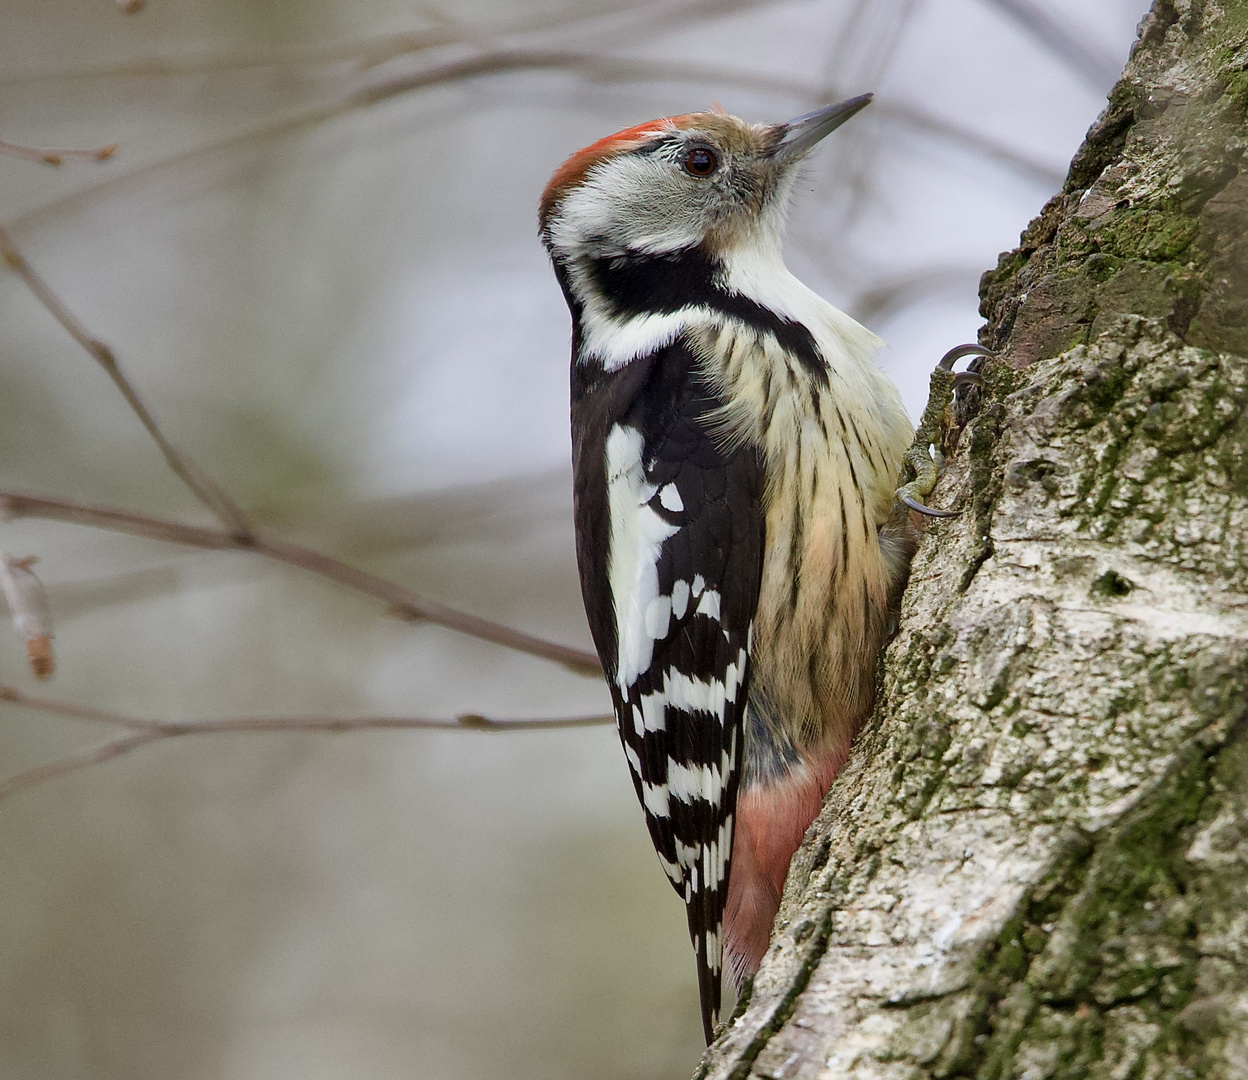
(700, 161)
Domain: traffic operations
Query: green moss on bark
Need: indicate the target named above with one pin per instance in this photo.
(1133, 231)
(1098, 972)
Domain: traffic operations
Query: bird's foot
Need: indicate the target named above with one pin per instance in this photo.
(924, 461)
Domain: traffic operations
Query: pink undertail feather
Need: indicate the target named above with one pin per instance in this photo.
(771, 821)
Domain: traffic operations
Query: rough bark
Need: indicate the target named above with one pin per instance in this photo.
(1036, 863)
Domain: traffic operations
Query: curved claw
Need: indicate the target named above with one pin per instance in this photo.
(959, 351)
(914, 504)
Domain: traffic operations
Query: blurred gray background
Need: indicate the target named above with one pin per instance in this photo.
(315, 253)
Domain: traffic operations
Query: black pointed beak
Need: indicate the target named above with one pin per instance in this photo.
(800, 135)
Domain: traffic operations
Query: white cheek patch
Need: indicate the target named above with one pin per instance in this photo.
(602, 217)
(623, 195)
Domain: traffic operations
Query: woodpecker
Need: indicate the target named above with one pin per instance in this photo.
(735, 457)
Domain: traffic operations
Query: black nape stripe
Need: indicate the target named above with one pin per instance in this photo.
(643, 284)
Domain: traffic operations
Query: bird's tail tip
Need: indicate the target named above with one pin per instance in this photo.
(710, 992)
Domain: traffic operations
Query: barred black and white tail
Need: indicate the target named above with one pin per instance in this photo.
(678, 517)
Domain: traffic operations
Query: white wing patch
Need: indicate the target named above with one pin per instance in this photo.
(723, 850)
(634, 762)
(732, 677)
(671, 869)
(679, 673)
(689, 782)
(670, 498)
(683, 691)
(658, 617)
(654, 797)
(709, 605)
(637, 535)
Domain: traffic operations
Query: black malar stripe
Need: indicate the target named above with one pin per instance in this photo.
(647, 284)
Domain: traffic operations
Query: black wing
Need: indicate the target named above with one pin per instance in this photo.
(669, 522)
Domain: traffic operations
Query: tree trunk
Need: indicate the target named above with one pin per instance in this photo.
(1035, 864)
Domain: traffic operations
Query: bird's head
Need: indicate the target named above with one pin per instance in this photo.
(704, 180)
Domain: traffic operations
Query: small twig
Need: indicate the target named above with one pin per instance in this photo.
(144, 731)
(402, 601)
(56, 157)
(74, 762)
(333, 724)
(28, 604)
(239, 533)
(183, 467)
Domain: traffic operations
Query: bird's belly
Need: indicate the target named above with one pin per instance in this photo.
(821, 617)
(820, 621)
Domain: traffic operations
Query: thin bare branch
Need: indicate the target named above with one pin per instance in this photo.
(584, 65)
(143, 732)
(611, 24)
(73, 762)
(203, 488)
(620, 69)
(28, 605)
(239, 533)
(333, 724)
(56, 157)
(11, 695)
(400, 600)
